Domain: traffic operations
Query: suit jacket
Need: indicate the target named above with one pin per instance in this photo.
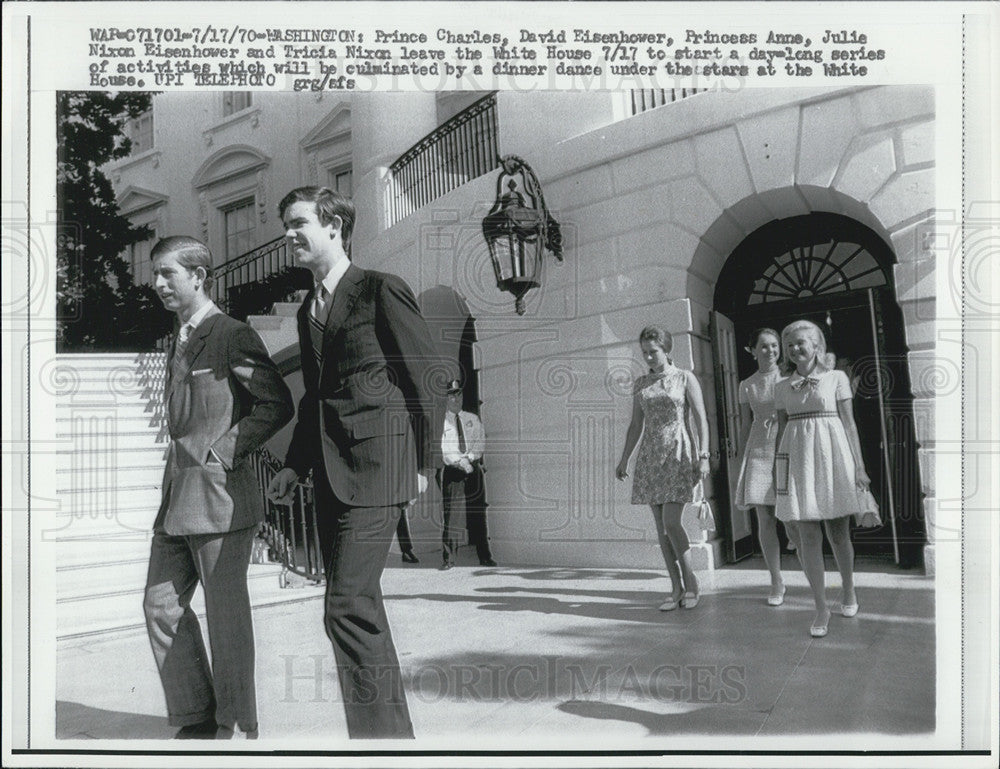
(227, 397)
(369, 413)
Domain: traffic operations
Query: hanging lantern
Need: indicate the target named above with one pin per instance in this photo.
(518, 229)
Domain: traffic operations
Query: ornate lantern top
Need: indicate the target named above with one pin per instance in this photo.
(518, 228)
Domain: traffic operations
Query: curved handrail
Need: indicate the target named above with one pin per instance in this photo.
(291, 531)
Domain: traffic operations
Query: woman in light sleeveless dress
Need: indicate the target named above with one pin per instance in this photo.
(669, 464)
(820, 479)
(755, 487)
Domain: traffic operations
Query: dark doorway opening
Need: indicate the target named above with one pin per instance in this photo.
(836, 272)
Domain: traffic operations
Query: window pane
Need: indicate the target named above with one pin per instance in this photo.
(140, 131)
(234, 101)
(241, 232)
(341, 181)
(138, 257)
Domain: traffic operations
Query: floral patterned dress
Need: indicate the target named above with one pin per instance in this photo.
(664, 470)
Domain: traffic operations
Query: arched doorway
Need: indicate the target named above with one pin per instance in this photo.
(836, 272)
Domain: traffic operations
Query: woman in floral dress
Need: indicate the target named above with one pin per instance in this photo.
(755, 487)
(820, 478)
(669, 464)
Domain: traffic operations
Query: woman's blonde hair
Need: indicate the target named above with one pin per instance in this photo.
(824, 360)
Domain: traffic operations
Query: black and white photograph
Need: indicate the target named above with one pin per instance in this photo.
(637, 419)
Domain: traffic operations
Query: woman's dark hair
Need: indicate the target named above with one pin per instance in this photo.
(658, 336)
(757, 334)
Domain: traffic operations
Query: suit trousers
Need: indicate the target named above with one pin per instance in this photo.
(195, 691)
(469, 490)
(355, 542)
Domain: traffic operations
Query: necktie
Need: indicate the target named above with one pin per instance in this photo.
(317, 322)
(180, 345)
(462, 445)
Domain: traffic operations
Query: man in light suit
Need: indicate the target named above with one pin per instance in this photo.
(365, 429)
(462, 444)
(225, 398)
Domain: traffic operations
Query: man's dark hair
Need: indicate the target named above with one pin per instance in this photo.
(191, 254)
(329, 203)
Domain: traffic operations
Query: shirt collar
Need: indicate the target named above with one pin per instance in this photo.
(334, 275)
(206, 310)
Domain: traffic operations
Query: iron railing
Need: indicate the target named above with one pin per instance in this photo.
(457, 151)
(248, 269)
(290, 531)
(643, 99)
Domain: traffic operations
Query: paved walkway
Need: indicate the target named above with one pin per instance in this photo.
(536, 658)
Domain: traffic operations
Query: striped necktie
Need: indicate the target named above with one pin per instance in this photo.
(180, 345)
(317, 322)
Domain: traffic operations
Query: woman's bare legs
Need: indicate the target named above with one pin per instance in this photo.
(838, 530)
(669, 556)
(809, 539)
(678, 539)
(767, 528)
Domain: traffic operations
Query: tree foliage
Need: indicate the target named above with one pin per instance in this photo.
(99, 306)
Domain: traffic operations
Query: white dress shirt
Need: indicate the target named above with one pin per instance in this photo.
(475, 438)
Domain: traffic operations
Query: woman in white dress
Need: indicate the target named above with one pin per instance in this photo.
(755, 487)
(820, 479)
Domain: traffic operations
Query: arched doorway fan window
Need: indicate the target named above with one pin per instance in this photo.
(825, 268)
(836, 272)
(800, 259)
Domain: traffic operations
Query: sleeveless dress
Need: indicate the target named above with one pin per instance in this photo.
(663, 468)
(756, 480)
(814, 464)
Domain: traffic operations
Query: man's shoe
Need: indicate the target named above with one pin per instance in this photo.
(487, 562)
(409, 557)
(206, 730)
(445, 566)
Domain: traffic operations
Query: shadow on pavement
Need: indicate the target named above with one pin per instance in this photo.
(77, 721)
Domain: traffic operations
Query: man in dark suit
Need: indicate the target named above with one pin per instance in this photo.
(365, 428)
(225, 398)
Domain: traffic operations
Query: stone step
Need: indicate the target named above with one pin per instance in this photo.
(104, 513)
(124, 441)
(74, 550)
(113, 537)
(287, 309)
(261, 323)
(109, 424)
(121, 610)
(80, 581)
(134, 407)
(278, 332)
(108, 360)
(85, 582)
(95, 477)
(110, 456)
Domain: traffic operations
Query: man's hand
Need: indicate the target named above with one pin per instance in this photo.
(466, 465)
(423, 480)
(281, 489)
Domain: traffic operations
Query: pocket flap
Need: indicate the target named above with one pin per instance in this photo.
(377, 425)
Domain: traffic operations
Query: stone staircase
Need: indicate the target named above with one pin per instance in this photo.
(279, 331)
(111, 436)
